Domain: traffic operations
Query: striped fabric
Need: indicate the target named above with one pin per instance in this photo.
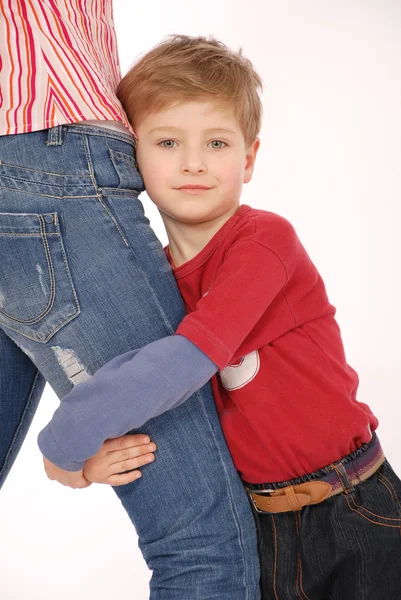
(58, 64)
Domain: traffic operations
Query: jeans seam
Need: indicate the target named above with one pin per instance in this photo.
(393, 493)
(32, 181)
(275, 558)
(20, 167)
(3, 187)
(375, 514)
(50, 335)
(358, 512)
(232, 504)
(299, 584)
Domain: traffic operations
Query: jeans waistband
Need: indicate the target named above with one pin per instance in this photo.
(342, 475)
(56, 133)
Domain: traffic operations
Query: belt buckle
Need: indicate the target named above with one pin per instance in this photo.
(269, 491)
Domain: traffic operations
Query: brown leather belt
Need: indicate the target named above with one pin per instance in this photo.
(341, 477)
(292, 497)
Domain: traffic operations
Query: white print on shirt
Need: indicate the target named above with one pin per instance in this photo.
(237, 375)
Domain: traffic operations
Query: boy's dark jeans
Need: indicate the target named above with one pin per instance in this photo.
(345, 548)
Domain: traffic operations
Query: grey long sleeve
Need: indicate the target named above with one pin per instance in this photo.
(122, 395)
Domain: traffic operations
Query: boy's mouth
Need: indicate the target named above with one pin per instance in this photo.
(193, 187)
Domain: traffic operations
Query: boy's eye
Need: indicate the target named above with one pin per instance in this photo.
(214, 142)
(167, 142)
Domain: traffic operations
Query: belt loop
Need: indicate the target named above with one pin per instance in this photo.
(343, 477)
(55, 136)
(292, 498)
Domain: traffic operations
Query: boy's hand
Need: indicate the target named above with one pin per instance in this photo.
(120, 454)
(72, 479)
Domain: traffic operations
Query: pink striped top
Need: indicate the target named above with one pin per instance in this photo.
(58, 64)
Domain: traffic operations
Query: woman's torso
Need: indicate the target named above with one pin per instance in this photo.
(58, 64)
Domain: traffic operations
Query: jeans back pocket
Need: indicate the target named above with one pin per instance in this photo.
(37, 295)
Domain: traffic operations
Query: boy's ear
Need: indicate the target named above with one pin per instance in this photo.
(250, 160)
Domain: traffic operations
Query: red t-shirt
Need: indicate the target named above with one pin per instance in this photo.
(257, 307)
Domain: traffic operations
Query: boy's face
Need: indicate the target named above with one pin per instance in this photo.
(197, 143)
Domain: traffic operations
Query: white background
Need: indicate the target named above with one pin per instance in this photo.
(330, 163)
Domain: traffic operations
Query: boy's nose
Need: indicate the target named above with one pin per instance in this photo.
(193, 163)
(193, 169)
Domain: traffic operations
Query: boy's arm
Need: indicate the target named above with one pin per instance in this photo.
(247, 283)
(141, 384)
(122, 395)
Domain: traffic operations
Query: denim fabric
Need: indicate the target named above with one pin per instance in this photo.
(82, 279)
(345, 548)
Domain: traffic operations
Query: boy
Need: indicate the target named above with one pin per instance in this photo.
(325, 500)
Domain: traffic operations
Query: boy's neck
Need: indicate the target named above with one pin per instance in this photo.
(186, 240)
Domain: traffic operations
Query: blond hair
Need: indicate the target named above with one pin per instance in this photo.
(183, 68)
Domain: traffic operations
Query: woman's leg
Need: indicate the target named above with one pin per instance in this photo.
(83, 278)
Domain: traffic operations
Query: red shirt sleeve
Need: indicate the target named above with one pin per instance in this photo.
(247, 282)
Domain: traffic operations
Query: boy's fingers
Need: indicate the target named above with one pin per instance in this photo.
(126, 441)
(124, 478)
(124, 455)
(132, 463)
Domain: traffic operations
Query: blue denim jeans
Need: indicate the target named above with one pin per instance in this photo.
(82, 279)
